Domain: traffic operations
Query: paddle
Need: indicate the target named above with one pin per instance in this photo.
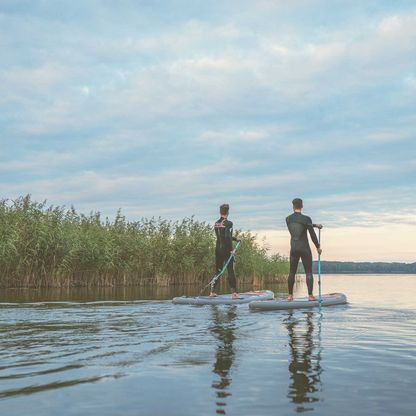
(319, 271)
(218, 275)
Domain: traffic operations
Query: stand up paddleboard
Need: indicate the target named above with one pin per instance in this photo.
(258, 295)
(329, 299)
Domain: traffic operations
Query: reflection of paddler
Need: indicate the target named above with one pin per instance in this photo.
(305, 361)
(223, 329)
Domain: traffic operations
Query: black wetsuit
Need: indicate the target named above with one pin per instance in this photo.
(298, 225)
(223, 249)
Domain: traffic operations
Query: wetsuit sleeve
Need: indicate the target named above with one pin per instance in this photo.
(312, 233)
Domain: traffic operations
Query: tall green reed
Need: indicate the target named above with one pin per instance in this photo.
(47, 246)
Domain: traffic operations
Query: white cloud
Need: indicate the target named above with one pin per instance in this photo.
(39, 162)
(391, 135)
(410, 81)
(85, 90)
(234, 136)
(39, 78)
(194, 77)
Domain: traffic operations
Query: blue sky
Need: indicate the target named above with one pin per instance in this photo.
(173, 107)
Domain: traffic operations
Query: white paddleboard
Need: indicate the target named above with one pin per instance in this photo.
(328, 299)
(246, 297)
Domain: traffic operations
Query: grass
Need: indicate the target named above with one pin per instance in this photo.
(47, 246)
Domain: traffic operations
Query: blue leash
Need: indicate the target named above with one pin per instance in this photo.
(218, 275)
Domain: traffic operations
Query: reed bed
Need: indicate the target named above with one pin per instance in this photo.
(47, 246)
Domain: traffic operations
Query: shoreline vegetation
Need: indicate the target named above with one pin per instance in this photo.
(48, 246)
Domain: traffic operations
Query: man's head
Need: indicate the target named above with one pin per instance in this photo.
(224, 209)
(297, 204)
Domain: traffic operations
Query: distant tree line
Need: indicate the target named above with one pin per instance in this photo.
(365, 267)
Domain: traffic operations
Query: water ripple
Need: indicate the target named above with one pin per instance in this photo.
(206, 360)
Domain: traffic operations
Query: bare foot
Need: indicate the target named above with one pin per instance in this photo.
(234, 295)
(290, 298)
(311, 297)
(212, 295)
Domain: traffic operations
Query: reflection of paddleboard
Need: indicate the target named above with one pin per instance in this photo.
(299, 303)
(258, 295)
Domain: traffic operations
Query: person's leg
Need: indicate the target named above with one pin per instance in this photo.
(219, 263)
(294, 261)
(231, 276)
(307, 265)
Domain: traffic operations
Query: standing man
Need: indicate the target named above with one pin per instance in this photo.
(224, 248)
(298, 225)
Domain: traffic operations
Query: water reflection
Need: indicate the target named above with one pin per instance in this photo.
(114, 293)
(305, 359)
(223, 329)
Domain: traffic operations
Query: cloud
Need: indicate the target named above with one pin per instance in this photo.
(410, 81)
(234, 136)
(193, 77)
(173, 110)
(40, 78)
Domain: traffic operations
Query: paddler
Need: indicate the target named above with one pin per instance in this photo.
(298, 225)
(224, 248)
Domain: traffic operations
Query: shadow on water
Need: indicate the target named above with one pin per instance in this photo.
(222, 328)
(305, 359)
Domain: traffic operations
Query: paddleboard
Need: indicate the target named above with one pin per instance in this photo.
(246, 297)
(329, 299)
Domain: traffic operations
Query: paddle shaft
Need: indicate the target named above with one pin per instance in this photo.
(319, 272)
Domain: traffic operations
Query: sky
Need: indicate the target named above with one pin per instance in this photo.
(170, 108)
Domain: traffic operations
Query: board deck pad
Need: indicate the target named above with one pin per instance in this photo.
(328, 299)
(246, 297)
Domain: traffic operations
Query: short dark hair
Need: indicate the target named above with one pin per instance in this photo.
(224, 208)
(297, 203)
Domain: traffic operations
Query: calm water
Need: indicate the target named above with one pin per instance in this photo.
(111, 353)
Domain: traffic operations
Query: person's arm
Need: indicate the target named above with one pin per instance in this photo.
(319, 226)
(312, 233)
(229, 234)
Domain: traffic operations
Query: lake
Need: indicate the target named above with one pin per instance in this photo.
(132, 352)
